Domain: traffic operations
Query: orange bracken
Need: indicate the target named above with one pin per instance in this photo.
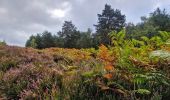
(108, 76)
(108, 67)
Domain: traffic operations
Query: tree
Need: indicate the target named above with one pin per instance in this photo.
(33, 43)
(30, 41)
(109, 20)
(39, 41)
(59, 42)
(69, 34)
(140, 29)
(85, 40)
(158, 20)
(47, 40)
(161, 19)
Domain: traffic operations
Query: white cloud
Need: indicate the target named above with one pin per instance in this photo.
(57, 13)
(60, 12)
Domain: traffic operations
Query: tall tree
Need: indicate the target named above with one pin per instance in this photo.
(161, 19)
(109, 20)
(69, 34)
(48, 40)
(39, 41)
(59, 42)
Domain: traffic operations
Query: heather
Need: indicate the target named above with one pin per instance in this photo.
(127, 69)
(117, 61)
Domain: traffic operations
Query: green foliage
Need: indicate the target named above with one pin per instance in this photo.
(157, 21)
(48, 40)
(69, 37)
(142, 91)
(88, 74)
(118, 38)
(164, 35)
(134, 65)
(85, 40)
(33, 43)
(161, 19)
(69, 34)
(126, 69)
(109, 20)
(44, 40)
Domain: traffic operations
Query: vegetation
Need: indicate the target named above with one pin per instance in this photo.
(70, 37)
(118, 62)
(159, 20)
(127, 69)
(109, 20)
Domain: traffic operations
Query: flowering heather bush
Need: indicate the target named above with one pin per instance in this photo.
(37, 79)
(28, 73)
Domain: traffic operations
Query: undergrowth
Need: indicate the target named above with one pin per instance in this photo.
(125, 70)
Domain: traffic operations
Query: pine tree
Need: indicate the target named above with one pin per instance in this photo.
(109, 20)
(69, 34)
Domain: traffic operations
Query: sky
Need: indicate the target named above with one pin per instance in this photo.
(19, 19)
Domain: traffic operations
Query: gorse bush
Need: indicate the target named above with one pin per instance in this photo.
(127, 69)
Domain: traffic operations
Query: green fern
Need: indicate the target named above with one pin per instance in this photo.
(164, 35)
(142, 91)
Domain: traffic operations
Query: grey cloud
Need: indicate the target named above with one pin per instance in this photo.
(21, 18)
(85, 13)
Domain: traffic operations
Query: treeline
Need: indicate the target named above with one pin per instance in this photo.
(109, 20)
(69, 37)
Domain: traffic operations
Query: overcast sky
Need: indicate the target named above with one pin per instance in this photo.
(21, 18)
